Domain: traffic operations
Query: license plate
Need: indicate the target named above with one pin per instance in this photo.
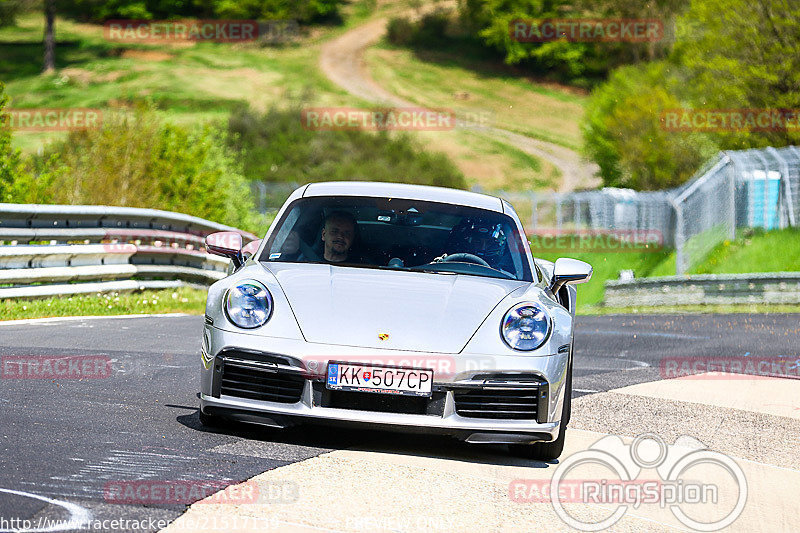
(381, 379)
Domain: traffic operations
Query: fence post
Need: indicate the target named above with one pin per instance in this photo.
(787, 190)
(731, 175)
(559, 215)
(680, 260)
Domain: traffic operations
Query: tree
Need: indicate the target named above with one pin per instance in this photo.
(49, 36)
(10, 163)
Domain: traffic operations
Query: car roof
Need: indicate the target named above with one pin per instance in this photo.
(404, 191)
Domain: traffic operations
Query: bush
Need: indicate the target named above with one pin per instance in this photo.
(10, 162)
(9, 9)
(623, 132)
(301, 10)
(432, 30)
(274, 147)
(138, 161)
(400, 31)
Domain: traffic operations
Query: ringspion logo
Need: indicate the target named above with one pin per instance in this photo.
(614, 477)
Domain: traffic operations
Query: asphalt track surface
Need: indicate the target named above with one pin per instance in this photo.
(65, 440)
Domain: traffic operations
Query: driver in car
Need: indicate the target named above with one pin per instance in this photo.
(338, 235)
(484, 240)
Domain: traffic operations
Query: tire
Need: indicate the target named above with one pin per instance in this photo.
(210, 421)
(549, 451)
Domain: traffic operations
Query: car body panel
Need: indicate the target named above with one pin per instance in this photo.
(353, 306)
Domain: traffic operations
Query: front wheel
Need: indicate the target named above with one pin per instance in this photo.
(541, 451)
(210, 421)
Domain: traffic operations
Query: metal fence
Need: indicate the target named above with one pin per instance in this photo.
(756, 188)
(48, 250)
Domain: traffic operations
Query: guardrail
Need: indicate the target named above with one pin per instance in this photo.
(48, 250)
(705, 289)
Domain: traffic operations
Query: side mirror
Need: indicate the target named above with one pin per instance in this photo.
(250, 249)
(569, 271)
(227, 244)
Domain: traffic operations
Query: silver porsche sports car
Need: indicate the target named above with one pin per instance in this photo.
(403, 307)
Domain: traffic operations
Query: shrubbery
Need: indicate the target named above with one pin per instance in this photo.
(274, 147)
(10, 162)
(749, 59)
(101, 10)
(137, 161)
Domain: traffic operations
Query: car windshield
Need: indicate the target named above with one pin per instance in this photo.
(393, 233)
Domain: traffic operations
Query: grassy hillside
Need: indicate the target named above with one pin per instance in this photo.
(452, 78)
(190, 83)
(751, 251)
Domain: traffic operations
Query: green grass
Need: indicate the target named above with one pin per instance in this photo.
(691, 309)
(607, 266)
(189, 83)
(182, 300)
(453, 78)
(754, 251)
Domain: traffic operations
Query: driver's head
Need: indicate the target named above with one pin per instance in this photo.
(338, 234)
(479, 237)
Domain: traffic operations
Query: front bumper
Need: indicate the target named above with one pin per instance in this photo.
(297, 387)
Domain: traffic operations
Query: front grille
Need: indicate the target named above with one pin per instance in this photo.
(377, 402)
(513, 404)
(244, 381)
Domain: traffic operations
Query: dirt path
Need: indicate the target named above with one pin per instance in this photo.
(342, 61)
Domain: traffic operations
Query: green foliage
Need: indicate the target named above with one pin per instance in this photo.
(749, 58)
(301, 10)
(180, 300)
(623, 131)
(754, 251)
(431, 30)
(275, 147)
(138, 161)
(579, 63)
(10, 161)
(9, 9)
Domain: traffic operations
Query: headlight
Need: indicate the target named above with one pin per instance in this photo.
(248, 305)
(525, 327)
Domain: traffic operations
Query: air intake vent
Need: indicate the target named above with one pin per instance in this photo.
(245, 381)
(509, 404)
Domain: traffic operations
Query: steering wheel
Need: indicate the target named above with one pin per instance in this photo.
(465, 258)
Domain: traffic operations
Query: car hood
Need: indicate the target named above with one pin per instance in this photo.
(392, 310)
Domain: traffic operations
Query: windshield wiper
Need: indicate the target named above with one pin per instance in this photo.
(437, 269)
